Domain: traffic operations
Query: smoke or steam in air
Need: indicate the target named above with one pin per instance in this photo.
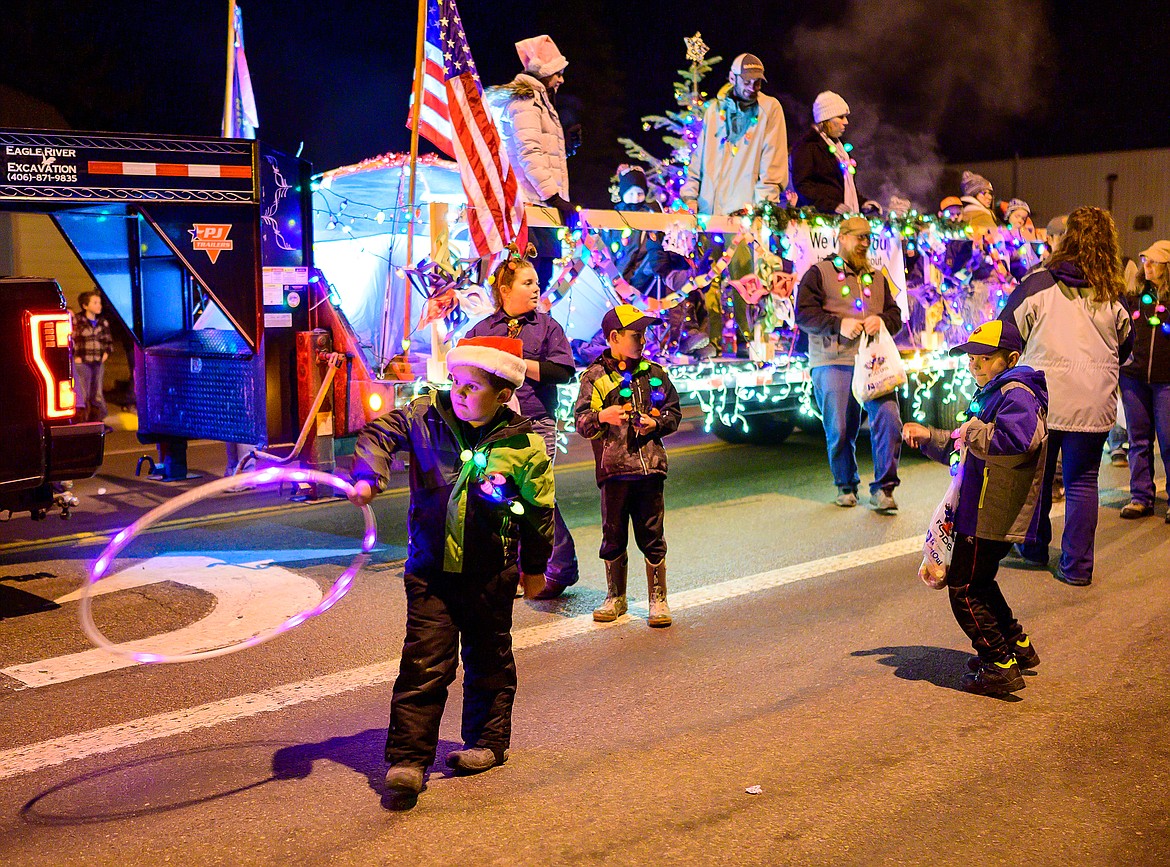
(912, 70)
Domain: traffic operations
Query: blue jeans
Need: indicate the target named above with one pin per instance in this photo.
(562, 565)
(87, 387)
(1147, 412)
(833, 391)
(1080, 453)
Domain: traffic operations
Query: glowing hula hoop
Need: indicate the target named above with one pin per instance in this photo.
(273, 474)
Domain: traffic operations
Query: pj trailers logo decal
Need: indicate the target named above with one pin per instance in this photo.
(212, 238)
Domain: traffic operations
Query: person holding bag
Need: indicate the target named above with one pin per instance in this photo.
(1000, 457)
(838, 300)
(878, 369)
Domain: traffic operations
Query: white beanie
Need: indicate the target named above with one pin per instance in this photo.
(829, 105)
(540, 56)
(499, 355)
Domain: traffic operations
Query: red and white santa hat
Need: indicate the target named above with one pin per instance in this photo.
(503, 356)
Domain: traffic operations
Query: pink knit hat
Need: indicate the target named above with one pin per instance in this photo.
(540, 56)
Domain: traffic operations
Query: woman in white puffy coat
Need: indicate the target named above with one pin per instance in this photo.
(534, 140)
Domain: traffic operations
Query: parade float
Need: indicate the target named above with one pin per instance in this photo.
(403, 311)
(946, 282)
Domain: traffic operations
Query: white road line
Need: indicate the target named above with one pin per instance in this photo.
(249, 598)
(46, 754)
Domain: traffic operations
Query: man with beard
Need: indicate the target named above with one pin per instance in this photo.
(739, 161)
(837, 300)
(741, 157)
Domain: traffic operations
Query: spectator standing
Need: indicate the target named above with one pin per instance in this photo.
(1077, 331)
(1145, 380)
(93, 342)
(823, 170)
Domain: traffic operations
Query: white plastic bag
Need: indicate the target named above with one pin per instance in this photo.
(878, 369)
(940, 537)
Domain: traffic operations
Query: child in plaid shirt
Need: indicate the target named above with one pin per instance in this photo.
(92, 345)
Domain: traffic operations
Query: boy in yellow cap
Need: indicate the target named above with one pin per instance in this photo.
(626, 405)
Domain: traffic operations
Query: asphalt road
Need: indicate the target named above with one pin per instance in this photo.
(806, 659)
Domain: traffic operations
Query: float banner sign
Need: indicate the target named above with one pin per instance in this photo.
(112, 167)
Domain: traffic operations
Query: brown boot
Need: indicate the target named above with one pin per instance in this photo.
(656, 582)
(615, 604)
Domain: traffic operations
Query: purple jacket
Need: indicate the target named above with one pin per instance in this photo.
(1007, 441)
(544, 342)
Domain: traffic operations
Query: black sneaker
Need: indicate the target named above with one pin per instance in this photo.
(994, 678)
(1026, 656)
(1072, 580)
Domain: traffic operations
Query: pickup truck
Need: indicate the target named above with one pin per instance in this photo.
(41, 447)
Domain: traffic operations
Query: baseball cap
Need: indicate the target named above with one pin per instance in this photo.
(854, 226)
(1159, 251)
(991, 336)
(748, 64)
(626, 316)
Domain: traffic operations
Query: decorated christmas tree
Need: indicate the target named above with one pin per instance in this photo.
(681, 128)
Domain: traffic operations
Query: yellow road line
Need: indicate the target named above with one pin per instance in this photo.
(98, 538)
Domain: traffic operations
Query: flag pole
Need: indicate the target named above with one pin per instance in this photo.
(228, 103)
(418, 88)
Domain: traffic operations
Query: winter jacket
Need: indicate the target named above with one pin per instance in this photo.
(816, 174)
(820, 307)
(1006, 440)
(978, 216)
(1150, 361)
(533, 137)
(619, 450)
(728, 174)
(1077, 343)
(451, 514)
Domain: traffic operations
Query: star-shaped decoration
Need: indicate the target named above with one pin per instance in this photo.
(696, 48)
(443, 22)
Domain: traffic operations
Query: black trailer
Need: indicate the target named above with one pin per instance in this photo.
(202, 247)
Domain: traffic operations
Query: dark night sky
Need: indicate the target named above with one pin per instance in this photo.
(948, 79)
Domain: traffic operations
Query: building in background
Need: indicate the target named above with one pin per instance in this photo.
(1134, 185)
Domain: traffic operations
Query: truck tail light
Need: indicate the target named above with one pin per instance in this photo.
(49, 344)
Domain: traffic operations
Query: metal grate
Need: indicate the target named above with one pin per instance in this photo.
(204, 385)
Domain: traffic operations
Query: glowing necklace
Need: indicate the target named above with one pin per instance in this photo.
(840, 152)
(865, 280)
(657, 391)
(747, 136)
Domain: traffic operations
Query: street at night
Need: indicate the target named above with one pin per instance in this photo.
(629, 433)
(806, 659)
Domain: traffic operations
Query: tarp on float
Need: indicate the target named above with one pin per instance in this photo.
(359, 230)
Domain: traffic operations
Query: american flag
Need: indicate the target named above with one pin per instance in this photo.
(455, 118)
(239, 117)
